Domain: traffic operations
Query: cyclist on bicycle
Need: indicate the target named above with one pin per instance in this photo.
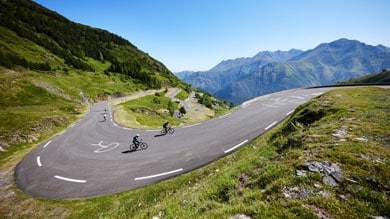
(166, 127)
(136, 140)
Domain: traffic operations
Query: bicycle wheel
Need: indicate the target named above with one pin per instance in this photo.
(171, 130)
(132, 147)
(163, 132)
(144, 145)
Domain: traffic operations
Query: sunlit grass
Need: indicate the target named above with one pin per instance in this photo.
(252, 180)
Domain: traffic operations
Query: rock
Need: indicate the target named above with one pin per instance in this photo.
(372, 182)
(363, 139)
(380, 160)
(296, 193)
(33, 138)
(337, 176)
(342, 197)
(341, 133)
(324, 194)
(324, 167)
(331, 172)
(301, 173)
(328, 180)
(240, 216)
(4, 145)
(312, 166)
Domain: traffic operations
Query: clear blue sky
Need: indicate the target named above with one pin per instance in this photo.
(198, 34)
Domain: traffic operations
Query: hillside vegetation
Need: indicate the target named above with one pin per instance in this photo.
(74, 44)
(275, 176)
(378, 78)
(52, 69)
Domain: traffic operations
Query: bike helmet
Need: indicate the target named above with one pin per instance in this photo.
(137, 135)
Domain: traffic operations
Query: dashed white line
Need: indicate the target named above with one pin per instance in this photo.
(290, 112)
(70, 179)
(47, 144)
(272, 124)
(39, 161)
(232, 148)
(160, 174)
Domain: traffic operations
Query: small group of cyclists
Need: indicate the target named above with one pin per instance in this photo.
(137, 140)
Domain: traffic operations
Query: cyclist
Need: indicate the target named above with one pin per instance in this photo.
(136, 140)
(166, 126)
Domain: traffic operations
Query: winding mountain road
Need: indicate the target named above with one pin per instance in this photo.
(92, 158)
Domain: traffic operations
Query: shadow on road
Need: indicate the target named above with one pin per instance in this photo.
(128, 151)
(159, 135)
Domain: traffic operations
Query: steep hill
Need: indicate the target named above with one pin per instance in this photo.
(382, 78)
(51, 69)
(71, 45)
(328, 63)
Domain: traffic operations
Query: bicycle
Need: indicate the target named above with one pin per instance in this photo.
(141, 145)
(170, 131)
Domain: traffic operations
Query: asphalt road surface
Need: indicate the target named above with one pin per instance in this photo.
(92, 158)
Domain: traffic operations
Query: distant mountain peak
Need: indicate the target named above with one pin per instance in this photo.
(271, 71)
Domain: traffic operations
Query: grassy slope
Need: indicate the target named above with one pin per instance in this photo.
(382, 77)
(252, 181)
(151, 111)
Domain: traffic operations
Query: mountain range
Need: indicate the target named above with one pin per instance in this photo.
(242, 79)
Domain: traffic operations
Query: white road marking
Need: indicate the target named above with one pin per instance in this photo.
(269, 105)
(62, 132)
(298, 97)
(39, 161)
(316, 94)
(47, 144)
(160, 174)
(105, 148)
(232, 148)
(70, 179)
(127, 128)
(290, 112)
(272, 124)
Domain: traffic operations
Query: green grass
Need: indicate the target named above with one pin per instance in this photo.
(146, 112)
(154, 110)
(252, 180)
(182, 95)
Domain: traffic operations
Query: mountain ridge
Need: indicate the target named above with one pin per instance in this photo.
(325, 64)
(75, 43)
